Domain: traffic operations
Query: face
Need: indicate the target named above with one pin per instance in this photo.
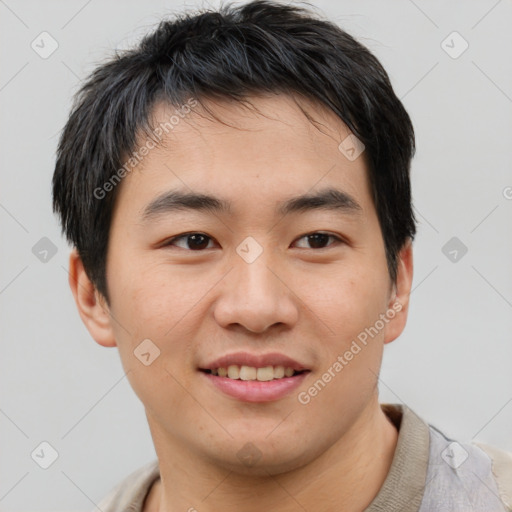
(281, 271)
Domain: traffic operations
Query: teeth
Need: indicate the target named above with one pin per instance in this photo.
(278, 372)
(263, 374)
(233, 371)
(266, 373)
(248, 373)
(288, 372)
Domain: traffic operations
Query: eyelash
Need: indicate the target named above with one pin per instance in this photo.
(171, 241)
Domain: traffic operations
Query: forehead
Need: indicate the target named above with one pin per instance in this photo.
(268, 149)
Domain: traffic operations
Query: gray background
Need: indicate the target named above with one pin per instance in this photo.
(453, 362)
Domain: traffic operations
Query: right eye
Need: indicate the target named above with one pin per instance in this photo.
(190, 241)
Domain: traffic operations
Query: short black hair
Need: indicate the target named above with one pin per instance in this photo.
(230, 53)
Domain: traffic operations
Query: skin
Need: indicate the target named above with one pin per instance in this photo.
(308, 303)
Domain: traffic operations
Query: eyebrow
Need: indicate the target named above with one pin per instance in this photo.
(326, 199)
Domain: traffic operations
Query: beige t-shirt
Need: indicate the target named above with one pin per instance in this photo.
(429, 473)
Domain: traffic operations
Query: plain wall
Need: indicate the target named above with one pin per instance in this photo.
(452, 365)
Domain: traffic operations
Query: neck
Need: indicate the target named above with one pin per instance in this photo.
(347, 476)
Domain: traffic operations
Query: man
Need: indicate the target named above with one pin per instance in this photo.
(237, 192)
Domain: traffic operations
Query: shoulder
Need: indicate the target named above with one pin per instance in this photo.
(130, 493)
(446, 474)
(464, 475)
(501, 463)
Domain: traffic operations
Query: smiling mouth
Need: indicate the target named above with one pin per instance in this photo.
(248, 373)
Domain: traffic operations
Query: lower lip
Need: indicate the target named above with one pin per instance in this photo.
(254, 390)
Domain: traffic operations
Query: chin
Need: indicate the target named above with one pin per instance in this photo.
(260, 457)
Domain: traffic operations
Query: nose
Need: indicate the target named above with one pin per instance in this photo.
(256, 297)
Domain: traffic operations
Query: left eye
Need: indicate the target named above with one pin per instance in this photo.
(319, 240)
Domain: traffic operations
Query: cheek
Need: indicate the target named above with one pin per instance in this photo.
(351, 306)
(352, 301)
(152, 299)
(153, 315)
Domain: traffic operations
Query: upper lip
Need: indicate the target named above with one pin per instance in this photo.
(254, 360)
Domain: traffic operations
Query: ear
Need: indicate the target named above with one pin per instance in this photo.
(92, 306)
(398, 305)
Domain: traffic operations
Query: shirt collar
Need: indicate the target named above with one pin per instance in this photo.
(405, 483)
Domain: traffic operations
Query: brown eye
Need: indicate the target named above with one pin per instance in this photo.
(319, 240)
(191, 241)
